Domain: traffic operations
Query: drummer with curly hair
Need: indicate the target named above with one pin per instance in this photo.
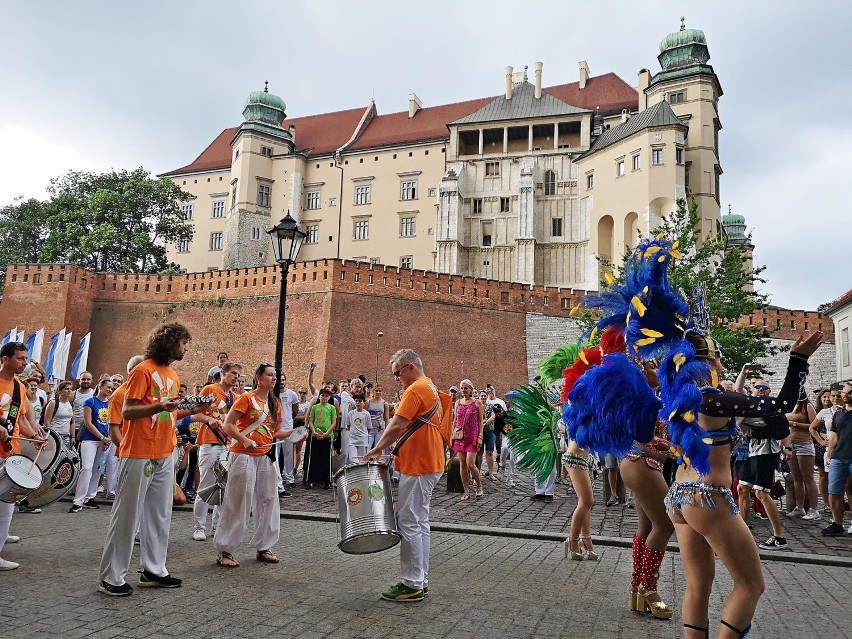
(420, 462)
(146, 473)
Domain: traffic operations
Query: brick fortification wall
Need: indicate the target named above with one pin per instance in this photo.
(489, 331)
(462, 327)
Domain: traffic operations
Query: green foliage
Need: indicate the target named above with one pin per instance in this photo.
(729, 279)
(117, 222)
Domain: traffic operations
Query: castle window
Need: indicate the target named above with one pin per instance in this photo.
(266, 150)
(486, 233)
(406, 261)
(408, 190)
(362, 194)
(362, 229)
(233, 193)
(264, 195)
(407, 226)
(550, 183)
(556, 227)
(255, 232)
(216, 241)
(477, 205)
(218, 208)
(184, 246)
(312, 234)
(656, 156)
(313, 200)
(590, 180)
(492, 169)
(619, 168)
(431, 192)
(332, 201)
(677, 97)
(186, 210)
(636, 162)
(504, 205)
(679, 156)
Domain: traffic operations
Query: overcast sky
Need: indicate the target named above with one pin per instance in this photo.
(95, 85)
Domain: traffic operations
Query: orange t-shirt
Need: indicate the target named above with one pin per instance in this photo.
(116, 405)
(218, 410)
(150, 437)
(254, 409)
(423, 452)
(6, 390)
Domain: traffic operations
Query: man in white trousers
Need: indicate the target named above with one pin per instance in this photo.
(146, 475)
(420, 461)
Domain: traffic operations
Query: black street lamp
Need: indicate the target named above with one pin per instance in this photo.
(287, 239)
(379, 335)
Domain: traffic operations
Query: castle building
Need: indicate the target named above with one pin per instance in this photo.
(538, 185)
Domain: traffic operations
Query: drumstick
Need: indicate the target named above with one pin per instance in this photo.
(25, 439)
(35, 460)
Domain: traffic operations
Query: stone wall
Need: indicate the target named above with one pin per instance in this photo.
(822, 365)
(544, 335)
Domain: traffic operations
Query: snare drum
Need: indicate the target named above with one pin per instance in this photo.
(365, 505)
(18, 478)
(47, 457)
(58, 478)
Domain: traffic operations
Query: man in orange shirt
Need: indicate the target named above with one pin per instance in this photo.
(18, 420)
(211, 441)
(146, 475)
(420, 462)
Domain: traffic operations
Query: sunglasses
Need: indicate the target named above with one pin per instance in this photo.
(399, 370)
(761, 387)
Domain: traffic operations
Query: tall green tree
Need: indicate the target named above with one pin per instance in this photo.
(728, 279)
(23, 229)
(117, 221)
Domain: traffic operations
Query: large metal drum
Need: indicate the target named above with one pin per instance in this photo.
(49, 452)
(58, 478)
(365, 507)
(19, 476)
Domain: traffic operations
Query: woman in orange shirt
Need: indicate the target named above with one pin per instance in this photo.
(253, 422)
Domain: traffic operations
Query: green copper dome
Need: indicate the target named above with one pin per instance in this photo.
(264, 107)
(735, 228)
(683, 48)
(731, 219)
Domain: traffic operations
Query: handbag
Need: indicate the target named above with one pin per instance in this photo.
(458, 433)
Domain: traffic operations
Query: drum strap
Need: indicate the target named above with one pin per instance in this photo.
(14, 408)
(421, 421)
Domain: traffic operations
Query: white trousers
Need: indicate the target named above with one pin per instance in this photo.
(6, 512)
(508, 459)
(548, 487)
(344, 448)
(373, 438)
(207, 455)
(145, 491)
(415, 494)
(112, 464)
(91, 455)
(284, 458)
(356, 452)
(251, 491)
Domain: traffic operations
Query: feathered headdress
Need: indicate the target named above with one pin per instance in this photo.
(533, 433)
(552, 366)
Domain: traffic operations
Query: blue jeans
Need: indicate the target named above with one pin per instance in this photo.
(838, 472)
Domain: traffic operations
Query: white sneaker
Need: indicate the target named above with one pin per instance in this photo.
(511, 483)
(12, 539)
(850, 529)
(5, 564)
(812, 515)
(199, 535)
(796, 512)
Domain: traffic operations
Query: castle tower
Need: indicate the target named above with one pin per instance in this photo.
(692, 89)
(735, 231)
(258, 142)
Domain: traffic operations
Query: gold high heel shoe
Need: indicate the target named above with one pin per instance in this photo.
(658, 609)
(576, 556)
(591, 555)
(634, 601)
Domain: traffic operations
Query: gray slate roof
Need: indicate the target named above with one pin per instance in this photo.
(522, 105)
(660, 114)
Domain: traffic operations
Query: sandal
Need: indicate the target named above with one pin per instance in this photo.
(227, 560)
(464, 497)
(480, 492)
(266, 557)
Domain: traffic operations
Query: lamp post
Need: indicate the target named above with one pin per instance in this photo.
(287, 239)
(379, 335)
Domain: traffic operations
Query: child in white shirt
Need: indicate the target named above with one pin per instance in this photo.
(358, 422)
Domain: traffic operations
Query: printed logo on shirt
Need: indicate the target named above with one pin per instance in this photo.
(161, 391)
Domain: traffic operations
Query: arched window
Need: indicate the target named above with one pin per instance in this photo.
(549, 183)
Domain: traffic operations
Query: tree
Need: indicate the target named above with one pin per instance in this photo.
(117, 221)
(728, 280)
(22, 233)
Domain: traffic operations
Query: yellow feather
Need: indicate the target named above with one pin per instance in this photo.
(594, 334)
(645, 341)
(651, 250)
(676, 254)
(672, 414)
(675, 244)
(650, 332)
(707, 440)
(688, 417)
(714, 378)
(575, 311)
(645, 292)
(609, 278)
(660, 236)
(639, 306)
(583, 357)
(627, 321)
(661, 259)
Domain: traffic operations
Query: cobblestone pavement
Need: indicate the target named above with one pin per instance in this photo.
(480, 587)
(507, 507)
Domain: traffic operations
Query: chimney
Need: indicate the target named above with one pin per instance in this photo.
(509, 83)
(538, 66)
(625, 116)
(644, 82)
(292, 131)
(414, 104)
(584, 74)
